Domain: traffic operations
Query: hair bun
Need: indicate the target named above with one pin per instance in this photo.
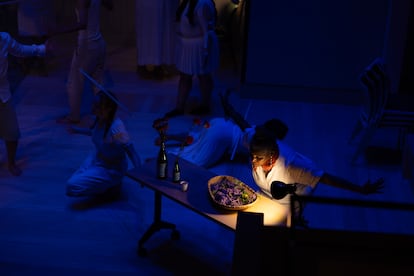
(278, 128)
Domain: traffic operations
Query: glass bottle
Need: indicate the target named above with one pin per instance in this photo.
(176, 172)
(162, 162)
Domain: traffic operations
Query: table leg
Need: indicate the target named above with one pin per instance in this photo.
(156, 225)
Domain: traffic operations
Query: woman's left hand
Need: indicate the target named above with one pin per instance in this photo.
(373, 187)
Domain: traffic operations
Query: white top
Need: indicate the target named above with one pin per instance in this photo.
(10, 46)
(35, 17)
(290, 168)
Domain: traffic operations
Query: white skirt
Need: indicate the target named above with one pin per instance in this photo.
(190, 58)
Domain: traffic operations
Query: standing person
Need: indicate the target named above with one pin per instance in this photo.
(197, 53)
(89, 54)
(155, 36)
(9, 126)
(103, 170)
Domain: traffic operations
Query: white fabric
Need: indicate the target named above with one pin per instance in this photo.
(89, 55)
(35, 17)
(9, 126)
(155, 31)
(223, 135)
(10, 46)
(197, 46)
(210, 144)
(93, 31)
(106, 167)
(290, 168)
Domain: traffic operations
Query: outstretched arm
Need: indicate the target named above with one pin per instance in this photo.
(366, 189)
(21, 50)
(230, 112)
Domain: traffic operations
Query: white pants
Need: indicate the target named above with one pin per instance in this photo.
(91, 179)
(90, 58)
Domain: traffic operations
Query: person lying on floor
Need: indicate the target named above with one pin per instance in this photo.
(273, 162)
(102, 172)
(271, 159)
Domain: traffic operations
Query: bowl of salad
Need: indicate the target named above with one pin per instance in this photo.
(230, 193)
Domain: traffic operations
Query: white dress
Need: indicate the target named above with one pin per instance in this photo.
(104, 168)
(211, 144)
(194, 42)
(155, 31)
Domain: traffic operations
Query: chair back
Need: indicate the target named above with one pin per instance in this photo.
(376, 92)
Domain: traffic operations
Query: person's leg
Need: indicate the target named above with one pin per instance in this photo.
(11, 147)
(91, 180)
(10, 133)
(206, 88)
(230, 112)
(95, 65)
(74, 91)
(184, 88)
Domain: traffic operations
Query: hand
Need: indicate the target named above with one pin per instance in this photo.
(373, 187)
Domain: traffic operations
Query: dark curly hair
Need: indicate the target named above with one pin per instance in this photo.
(105, 100)
(191, 7)
(279, 128)
(264, 140)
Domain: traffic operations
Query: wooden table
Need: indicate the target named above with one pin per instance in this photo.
(196, 198)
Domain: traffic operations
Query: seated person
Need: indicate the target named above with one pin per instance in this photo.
(104, 170)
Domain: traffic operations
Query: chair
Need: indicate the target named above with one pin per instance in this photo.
(381, 109)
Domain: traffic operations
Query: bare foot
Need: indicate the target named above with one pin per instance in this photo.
(14, 170)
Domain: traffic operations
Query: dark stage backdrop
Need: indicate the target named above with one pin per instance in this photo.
(314, 49)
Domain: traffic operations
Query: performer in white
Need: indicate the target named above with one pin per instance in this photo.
(155, 36)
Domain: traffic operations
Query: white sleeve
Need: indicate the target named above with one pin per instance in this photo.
(119, 133)
(20, 50)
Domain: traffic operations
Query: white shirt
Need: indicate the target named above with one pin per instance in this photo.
(10, 46)
(290, 168)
